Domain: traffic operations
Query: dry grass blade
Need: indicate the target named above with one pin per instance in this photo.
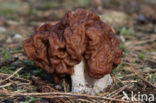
(141, 77)
(11, 75)
(40, 84)
(8, 84)
(118, 91)
(63, 95)
(8, 61)
(15, 77)
(130, 75)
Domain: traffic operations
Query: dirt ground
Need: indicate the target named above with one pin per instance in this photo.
(134, 22)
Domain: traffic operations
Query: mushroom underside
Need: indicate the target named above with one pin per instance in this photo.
(82, 83)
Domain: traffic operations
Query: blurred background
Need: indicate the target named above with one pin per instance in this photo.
(19, 16)
(134, 22)
(15, 14)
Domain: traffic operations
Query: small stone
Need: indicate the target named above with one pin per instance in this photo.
(115, 19)
(58, 87)
(17, 37)
(12, 23)
(8, 40)
(141, 18)
(148, 12)
(2, 29)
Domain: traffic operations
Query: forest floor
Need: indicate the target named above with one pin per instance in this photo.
(134, 22)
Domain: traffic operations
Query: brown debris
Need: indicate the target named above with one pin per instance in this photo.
(44, 87)
(8, 61)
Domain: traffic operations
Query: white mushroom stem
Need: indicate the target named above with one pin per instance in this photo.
(79, 83)
(82, 83)
(101, 84)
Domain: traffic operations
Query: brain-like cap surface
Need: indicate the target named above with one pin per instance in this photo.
(80, 34)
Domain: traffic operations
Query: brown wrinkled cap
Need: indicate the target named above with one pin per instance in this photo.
(57, 48)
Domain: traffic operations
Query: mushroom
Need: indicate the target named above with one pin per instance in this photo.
(81, 46)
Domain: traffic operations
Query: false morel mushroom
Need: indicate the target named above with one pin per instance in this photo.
(81, 46)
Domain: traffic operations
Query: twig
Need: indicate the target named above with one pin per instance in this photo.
(3, 99)
(84, 100)
(141, 77)
(119, 80)
(129, 75)
(115, 91)
(130, 81)
(40, 84)
(120, 90)
(11, 75)
(62, 95)
(8, 84)
(15, 77)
